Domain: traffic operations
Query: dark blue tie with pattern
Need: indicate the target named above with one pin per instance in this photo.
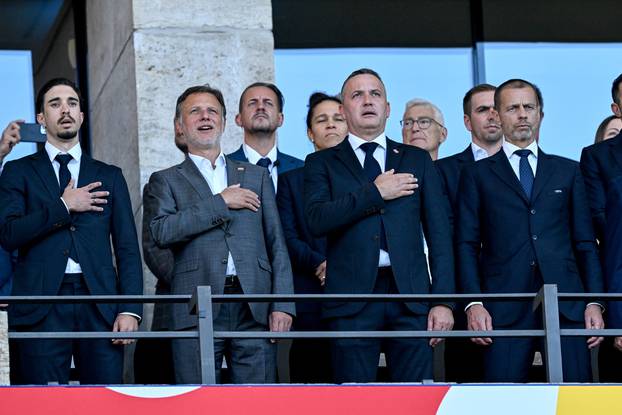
(524, 171)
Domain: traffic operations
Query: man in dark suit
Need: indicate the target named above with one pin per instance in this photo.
(515, 233)
(63, 233)
(219, 218)
(602, 162)
(260, 115)
(373, 223)
(463, 359)
(612, 256)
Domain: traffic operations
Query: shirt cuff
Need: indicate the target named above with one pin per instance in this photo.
(65, 203)
(136, 316)
(473, 303)
(602, 307)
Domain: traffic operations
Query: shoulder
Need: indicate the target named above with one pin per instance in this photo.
(561, 161)
(237, 155)
(603, 146)
(291, 160)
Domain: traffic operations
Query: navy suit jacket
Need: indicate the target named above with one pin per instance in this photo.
(501, 234)
(306, 252)
(285, 161)
(343, 205)
(34, 220)
(600, 163)
(612, 258)
(449, 169)
(6, 272)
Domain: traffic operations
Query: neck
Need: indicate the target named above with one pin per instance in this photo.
(490, 147)
(63, 145)
(434, 154)
(521, 144)
(209, 154)
(260, 143)
(367, 135)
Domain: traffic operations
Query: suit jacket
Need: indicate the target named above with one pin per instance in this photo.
(449, 169)
(6, 272)
(286, 162)
(600, 163)
(160, 262)
(612, 258)
(502, 235)
(200, 231)
(306, 252)
(342, 204)
(34, 220)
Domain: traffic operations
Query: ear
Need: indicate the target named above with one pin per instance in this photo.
(41, 119)
(388, 109)
(467, 123)
(310, 135)
(281, 118)
(238, 120)
(81, 117)
(443, 135)
(178, 130)
(617, 111)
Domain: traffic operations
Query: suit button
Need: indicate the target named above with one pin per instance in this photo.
(382, 211)
(66, 252)
(534, 237)
(224, 261)
(532, 211)
(532, 263)
(376, 237)
(72, 228)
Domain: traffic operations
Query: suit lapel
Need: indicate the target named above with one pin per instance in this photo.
(466, 156)
(235, 172)
(88, 171)
(500, 165)
(191, 172)
(348, 158)
(393, 156)
(44, 169)
(544, 172)
(616, 149)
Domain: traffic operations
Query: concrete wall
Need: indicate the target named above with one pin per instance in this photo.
(4, 349)
(142, 54)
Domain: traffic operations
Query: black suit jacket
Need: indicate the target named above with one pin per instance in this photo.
(343, 205)
(449, 169)
(34, 220)
(306, 252)
(600, 163)
(501, 234)
(285, 161)
(612, 258)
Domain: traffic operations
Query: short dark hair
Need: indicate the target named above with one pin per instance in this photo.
(280, 100)
(600, 131)
(200, 89)
(51, 84)
(616, 89)
(518, 84)
(362, 71)
(466, 101)
(316, 99)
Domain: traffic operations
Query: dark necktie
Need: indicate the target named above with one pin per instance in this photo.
(372, 170)
(63, 173)
(264, 162)
(63, 180)
(524, 171)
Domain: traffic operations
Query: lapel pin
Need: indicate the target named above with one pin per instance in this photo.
(240, 168)
(396, 151)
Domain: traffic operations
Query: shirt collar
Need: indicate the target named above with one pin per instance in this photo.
(478, 152)
(202, 163)
(510, 148)
(253, 156)
(75, 151)
(356, 142)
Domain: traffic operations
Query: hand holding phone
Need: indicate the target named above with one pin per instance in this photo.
(32, 133)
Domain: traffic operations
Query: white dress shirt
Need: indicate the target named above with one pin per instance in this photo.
(478, 152)
(216, 178)
(74, 169)
(380, 156)
(253, 157)
(514, 159)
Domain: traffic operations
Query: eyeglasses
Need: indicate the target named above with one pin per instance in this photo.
(424, 123)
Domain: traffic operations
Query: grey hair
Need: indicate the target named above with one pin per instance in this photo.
(438, 114)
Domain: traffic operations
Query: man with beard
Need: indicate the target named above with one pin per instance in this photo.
(260, 115)
(371, 197)
(60, 209)
(524, 221)
(219, 218)
(463, 359)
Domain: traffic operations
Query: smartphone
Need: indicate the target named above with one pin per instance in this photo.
(32, 133)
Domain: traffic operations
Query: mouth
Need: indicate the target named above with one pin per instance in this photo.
(492, 127)
(369, 113)
(66, 122)
(205, 128)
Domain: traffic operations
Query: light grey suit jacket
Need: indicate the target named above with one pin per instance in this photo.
(200, 230)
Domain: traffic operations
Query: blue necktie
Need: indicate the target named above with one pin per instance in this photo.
(264, 162)
(371, 167)
(524, 171)
(63, 180)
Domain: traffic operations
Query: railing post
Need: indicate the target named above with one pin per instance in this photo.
(202, 303)
(547, 296)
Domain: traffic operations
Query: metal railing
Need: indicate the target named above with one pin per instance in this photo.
(200, 303)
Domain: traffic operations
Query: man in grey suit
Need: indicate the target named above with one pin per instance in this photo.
(219, 218)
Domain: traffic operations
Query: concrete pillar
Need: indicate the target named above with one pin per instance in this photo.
(142, 54)
(4, 349)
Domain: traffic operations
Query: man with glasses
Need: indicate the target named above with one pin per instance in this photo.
(371, 197)
(423, 126)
